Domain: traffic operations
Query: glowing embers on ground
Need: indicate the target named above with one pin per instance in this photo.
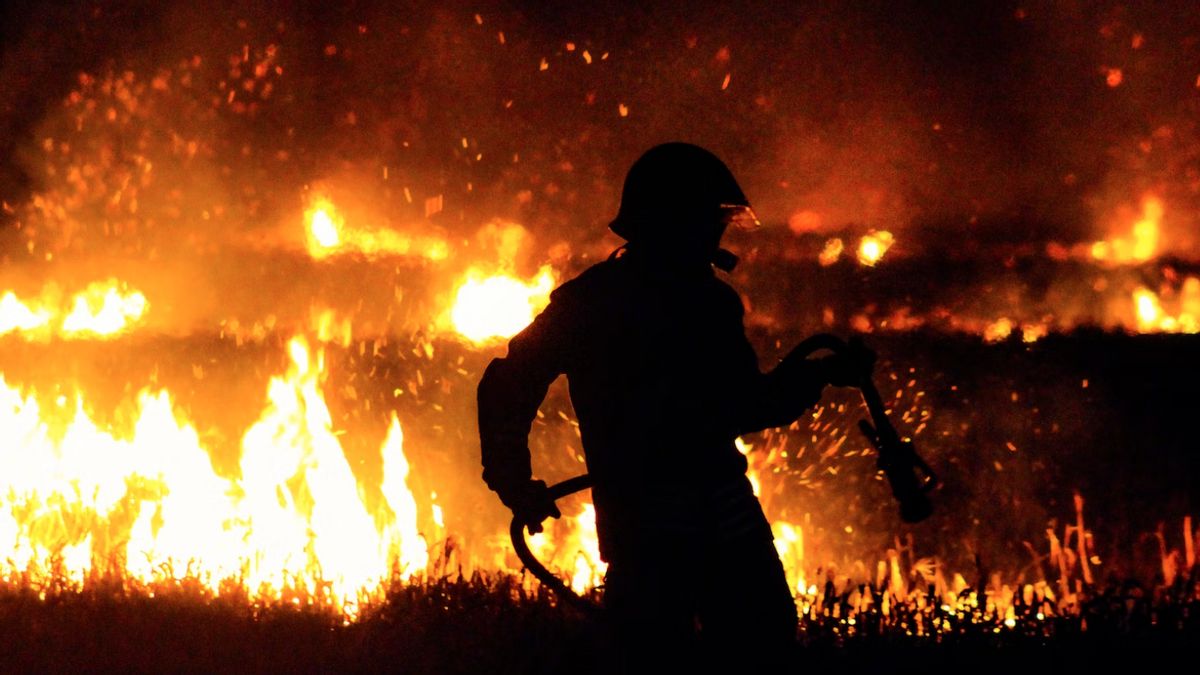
(498, 306)
(78, 498)
(1001, 328)
(102, 310)
(328, 234)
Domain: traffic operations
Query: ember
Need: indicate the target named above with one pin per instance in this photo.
(255, 262)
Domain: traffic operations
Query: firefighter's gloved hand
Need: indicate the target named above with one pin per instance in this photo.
(850, 366)
(531, 504)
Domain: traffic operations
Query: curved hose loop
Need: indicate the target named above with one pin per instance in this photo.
(910, 477)
(516, 531)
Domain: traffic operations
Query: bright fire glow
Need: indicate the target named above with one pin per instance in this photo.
(82, 497)
(873, 245)
(104, 309)
(1143, 241)
(324, 230)
(1180, 313)
(327, 234)
(1001, 328)
(17, 316)
(499, 306)
(571, 543)
(998, 330)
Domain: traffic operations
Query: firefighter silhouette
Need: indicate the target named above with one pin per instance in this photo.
(663, 380)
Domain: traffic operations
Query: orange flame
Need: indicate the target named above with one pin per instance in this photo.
(498, 306)
(327, 234)
(1143, 241)
(873, 245)
(103, 310)
(1181, 316)
(82, 497)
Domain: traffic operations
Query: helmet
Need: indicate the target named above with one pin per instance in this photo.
(677, 189)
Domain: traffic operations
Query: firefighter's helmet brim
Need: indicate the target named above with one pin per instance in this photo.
(675, 187)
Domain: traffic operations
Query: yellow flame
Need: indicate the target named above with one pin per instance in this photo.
(324, 225)
(1032, 332)
(1146, 230)
(998, 330)
(328, 234)
(405, 544)
(873, 245)
(789, 543)
(589, 569)
(17, 316)
(1182, 315)
(1149, 311)
(324, 231)
(104, 309)
(498, 306)
(329, 327)
(82, 497)
(570, 545)
(1142, 244)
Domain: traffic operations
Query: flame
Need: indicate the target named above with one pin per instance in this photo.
(329, 327)
(789, 543)
(104, 309)
(17, 316)
(1182, 317)
(498, 306)
(571, 545)
(84, 498)
(831, 252)
(589, 569)
(327, 234)
(406, 546)
(1143, 241)
(1032, 332)
(998, 330)
(322, 228)
(873, 245)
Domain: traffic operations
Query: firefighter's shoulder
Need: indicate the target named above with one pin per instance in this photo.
(594, 282)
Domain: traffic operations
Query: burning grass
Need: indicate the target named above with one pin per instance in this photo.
(500, 624)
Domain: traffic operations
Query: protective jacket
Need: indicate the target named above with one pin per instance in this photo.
(663, 380)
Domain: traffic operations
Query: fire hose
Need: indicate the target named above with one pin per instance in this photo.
(911, 479)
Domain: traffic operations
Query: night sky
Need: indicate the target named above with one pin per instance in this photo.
(1017, 121)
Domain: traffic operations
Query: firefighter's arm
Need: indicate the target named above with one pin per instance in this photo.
(796, 384)
(510, 392)
(777, 398)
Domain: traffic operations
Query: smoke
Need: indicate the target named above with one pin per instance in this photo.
(1002, 121)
